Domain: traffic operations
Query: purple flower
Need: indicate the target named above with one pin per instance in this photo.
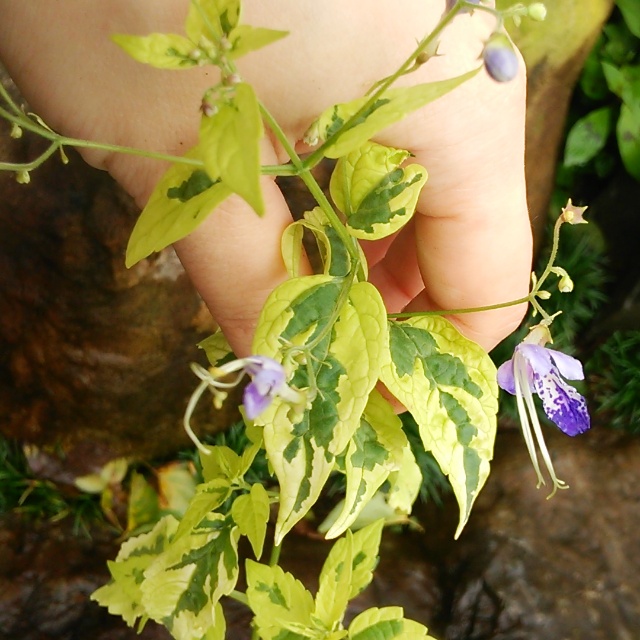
(268, 381)
(535, 369)
(500, 60)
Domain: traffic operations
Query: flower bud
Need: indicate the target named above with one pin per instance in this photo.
(500, 60)
(16, 131)
(537, 11)
(23, 177)
(565, 284)
(543, 295)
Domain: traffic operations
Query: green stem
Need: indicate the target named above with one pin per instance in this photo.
(9, 100)
(408, 65)
(314, 188)
(552, 255)
(455, 312)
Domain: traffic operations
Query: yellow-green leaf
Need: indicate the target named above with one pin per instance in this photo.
(176, 487)
(161, 50)
(279, 601)
(391, 107)
(376, 449)
(209, 496)
(143, 507)
(449, 385)
(388, 623)
(181, 200)
(211, 19)
(216, 348)
(251, 513)
(123, 595)
(335, 584)
(343, 366)
(245, 39)
(376, 194)
(230, 142)
(220, 462)
(182, 585)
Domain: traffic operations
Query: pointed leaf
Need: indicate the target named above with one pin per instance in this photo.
(143, 507)
(176, 487)
(220, 462)
(161, 50)
(394, 105)
(217, 349)
(230, 140)
(209, 496)
(123, 595)
(245, 39)
(628, 135)
(182, 585)
(177, 206)
(374, 192)
(344, 363)
(386, 624)
(211, 19)
(376, 449)
(335, 584)
(251, 513)
(279, 602)
(449, 385)
(587, 137)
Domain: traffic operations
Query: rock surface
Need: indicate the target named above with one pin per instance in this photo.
(524, 569)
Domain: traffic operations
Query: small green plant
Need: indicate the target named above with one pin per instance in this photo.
(613, 372)
(606, 109)
(323, 345)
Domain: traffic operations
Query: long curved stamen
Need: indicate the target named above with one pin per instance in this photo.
(186, 420)
(521, 385)
(557, 483)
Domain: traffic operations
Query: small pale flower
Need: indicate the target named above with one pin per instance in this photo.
(537, 369)
(573, 214)
(268, 381)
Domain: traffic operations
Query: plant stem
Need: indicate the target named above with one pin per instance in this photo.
(455, 312)
(314, 188)
(275, 555)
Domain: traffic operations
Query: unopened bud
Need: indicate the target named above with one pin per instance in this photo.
(543, 295)
(23, 177)
(565, 284)
(312, 134)
(16, 131)
(500, 60)
(208, 109)
(537, 11)
(231, 79)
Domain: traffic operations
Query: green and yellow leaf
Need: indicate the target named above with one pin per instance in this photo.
(230, 142)
(211, 19)
(182, 585)
(250, 512)
(376, 449)
(342, 366)
(388, 623)
(449, 385)
(180, 202)
(245, 39)
(394, 105)
(376, 194)
(161, 50)
(209, 496)
(280, 603)
(123, 595)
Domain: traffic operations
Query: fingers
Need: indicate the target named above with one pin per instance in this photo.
(234, 261)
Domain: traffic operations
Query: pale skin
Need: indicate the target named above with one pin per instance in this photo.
(470, 242)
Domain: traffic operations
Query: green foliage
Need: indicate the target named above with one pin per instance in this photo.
(605, 118)
(613, 373)
(37, 499)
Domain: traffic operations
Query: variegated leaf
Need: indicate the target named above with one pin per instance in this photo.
(342, 363)
(376, 194)
(449, 385)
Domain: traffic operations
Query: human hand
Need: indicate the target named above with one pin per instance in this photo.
(470, 243)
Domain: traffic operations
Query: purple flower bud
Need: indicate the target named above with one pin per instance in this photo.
(500, 60)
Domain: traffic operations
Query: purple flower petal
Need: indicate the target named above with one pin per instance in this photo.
(562, 404)
(569, 367)
(254, 401)
(506, 378)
